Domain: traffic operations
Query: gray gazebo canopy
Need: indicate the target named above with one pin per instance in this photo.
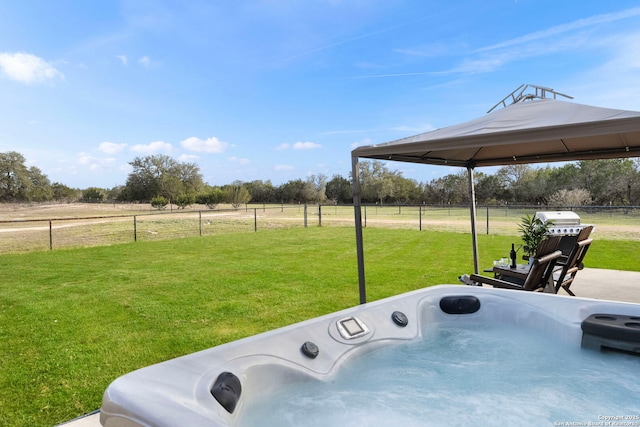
(536, 131)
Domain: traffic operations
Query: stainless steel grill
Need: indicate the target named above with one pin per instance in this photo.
(564, 223)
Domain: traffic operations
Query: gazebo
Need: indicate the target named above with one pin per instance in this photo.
(533, 128)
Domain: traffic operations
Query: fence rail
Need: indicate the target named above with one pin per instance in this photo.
(28, 234)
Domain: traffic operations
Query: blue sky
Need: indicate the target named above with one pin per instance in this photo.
(281, 89)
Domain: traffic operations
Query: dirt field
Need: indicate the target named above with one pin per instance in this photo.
(26, 227)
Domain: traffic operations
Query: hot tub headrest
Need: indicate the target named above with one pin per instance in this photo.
(460, 304)
(226, 391)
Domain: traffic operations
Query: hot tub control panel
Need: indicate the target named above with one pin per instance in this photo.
(352, 327)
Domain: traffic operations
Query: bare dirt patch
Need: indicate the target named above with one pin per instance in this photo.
(25, 227)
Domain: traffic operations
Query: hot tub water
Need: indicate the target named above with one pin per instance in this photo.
(483, 374)
(444, 355)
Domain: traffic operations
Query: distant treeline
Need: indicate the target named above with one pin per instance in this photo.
(162, 179)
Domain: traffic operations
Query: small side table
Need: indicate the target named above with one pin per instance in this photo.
(514, 275)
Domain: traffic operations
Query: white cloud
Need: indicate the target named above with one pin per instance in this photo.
(94, 163)
(483, 65)
(145, 61)
(209, 145)
(239, 160)
(571, 26)
(306, 146)
(298, 146)
(153, 148)
(84, 159)
(27, 68)
(123, 59)
(190, 158)
(283, 167)
(624, 55)
(431, 50)
(569, 37)
(612, 83)
(111, 148)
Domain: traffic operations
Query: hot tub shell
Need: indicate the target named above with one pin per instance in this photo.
(178, 391)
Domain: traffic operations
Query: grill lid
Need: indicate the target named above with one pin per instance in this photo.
(559, 218)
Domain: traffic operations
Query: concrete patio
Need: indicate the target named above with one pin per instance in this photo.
(612, 285)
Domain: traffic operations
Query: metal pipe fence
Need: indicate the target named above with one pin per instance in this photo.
(29, 234)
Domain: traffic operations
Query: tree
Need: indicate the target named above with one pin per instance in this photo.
(451, 189)
(376, 181)
(292, 191)
(189, 177)
(159, 202)
(63, 193)
(143, 182)
(634, 186)
(339, 190)
(405, 190)
(534, 187)
(114, 193)
(211, 197)
(427, 193)
(567, 198)
(14, 177)
(236, 195)
(169, 186)
(19, 183)
(39, 189)
(261, 192)
(161, 175)
(512, 178)
(609, 181)
(184, 200)
(489, 189)
(314, 189)
(566, 176)
(93, 195)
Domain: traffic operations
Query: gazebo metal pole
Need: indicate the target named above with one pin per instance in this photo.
(357, 210)
(472, 209)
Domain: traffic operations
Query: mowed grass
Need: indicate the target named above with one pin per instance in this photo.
(71, 321)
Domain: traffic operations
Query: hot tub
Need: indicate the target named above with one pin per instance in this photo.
(445, 355)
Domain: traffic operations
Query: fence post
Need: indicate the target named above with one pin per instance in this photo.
(420, 216)
(200, 221)
(319, 215)
(135, 231)
(487, 219)
(255, 219)
(50, 236)
(365, 215)
(305, 215)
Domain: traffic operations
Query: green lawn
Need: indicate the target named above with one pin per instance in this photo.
(74, 320)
